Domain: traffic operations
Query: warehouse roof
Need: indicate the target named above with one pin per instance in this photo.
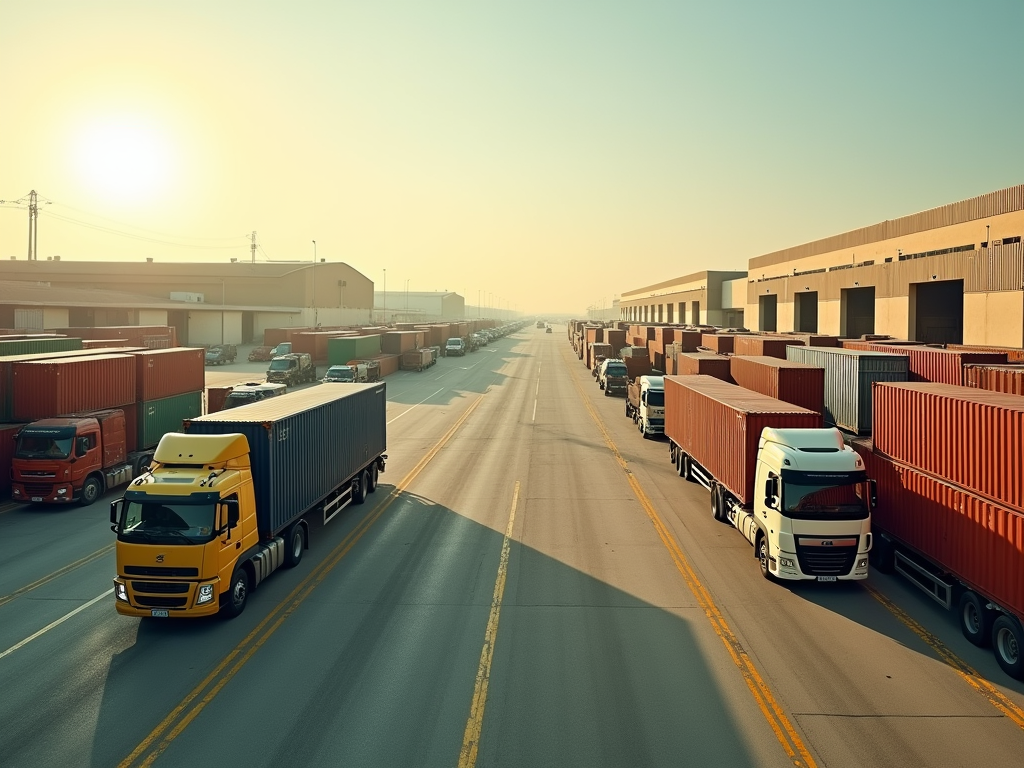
(41, 294)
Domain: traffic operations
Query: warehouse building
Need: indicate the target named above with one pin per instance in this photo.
(703, 298)
(951, 274)
(417, 306)
(206, 303)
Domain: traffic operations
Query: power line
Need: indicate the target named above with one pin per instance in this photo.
(132, 226)
(131, 236)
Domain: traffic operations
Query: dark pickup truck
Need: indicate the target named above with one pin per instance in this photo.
(220, 354)
(293, 369)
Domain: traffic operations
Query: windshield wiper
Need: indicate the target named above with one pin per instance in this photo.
(172, 531)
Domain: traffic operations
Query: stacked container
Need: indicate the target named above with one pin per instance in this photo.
(36, 346)
(943, 366)
(722, 343)
(47, 388)
(397, 342)
(764, 346)
(703, 364)
(169, 389)
(995, 378)
(341, 349)
(796, 383)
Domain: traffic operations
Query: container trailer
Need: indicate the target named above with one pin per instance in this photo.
(645, 404)
(795, 491)
(233, 497)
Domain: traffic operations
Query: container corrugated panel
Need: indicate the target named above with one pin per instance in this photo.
(943, 366)
(397, 342)
(722, 343)
(637, 366)
(970, 437)
(167, 372)
(815, 340)
(849, 374)
(1013, 354)
(979, 541)
(158, 417)
(35, 346)
(388, 363)
(703, 364)
(48, 388)
(995, 378)
(7, 444)
(796, 383)
(216, 397)
(304, 445)
(720, 424)
(761, 346)
(341, 349)
(616, 338)
(689, 340)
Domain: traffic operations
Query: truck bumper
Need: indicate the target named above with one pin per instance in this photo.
(790, 566)
(61, 493)
(131, 600)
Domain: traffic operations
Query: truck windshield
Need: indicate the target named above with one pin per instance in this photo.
(236, 399)
(809, 500)
(167, 521)
(615, 370)
(655, 398)
(281, 365)
(35, 446)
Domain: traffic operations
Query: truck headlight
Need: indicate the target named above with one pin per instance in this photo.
(205, 594)
(120, 592)
(786, 562)
(862, 563)
(62, 491)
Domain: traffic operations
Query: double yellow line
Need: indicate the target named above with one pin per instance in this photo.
(172, 726)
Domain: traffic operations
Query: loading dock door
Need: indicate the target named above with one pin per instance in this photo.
(857, 312)
(769, 312)
(938, 309)
(806, 312)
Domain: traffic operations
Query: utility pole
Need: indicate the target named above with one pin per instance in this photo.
(315, 323)
(33, 226)
(252, 248)
(385, 292)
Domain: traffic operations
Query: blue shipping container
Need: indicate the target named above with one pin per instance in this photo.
(304, 445)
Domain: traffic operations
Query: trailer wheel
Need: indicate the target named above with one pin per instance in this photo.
(1007, 642)
(762, 557)
(236, 597)
(714, 502)
(296, 539)
(687, 469)
(91, 491)
(975, 619)
(374, 476)
(359, 488)
(628, 412)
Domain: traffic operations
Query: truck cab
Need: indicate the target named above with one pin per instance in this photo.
(219, 354)
(613, 378)
(293, 369)
(811, 516)
(645, 402)
(252, 392)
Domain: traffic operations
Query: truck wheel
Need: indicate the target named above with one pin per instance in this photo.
(606, 392)
(975, 619)
(359, 488)
(688, 469)
(714, 501)
(374, 476)
(296, 541)
(762, 558)
(1007, 642)
(91, 491)
(673, 457)
(628, 413)
(234, 602)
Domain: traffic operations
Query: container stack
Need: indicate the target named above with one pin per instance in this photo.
(796, 383)
(995, 378)
(722, 343)
(942, 366)
(764, 346)
(703, 364)
(168, 389)
(341, 349)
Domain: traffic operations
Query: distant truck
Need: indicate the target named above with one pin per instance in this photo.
(795, 491)
(613, 378)
(455, 347)
(645, 404)
(219, 354)
(345, 374)
(234, 496)
(293, 369)
(74, 458)
(252, 392)
(417, 359)
(265, 354)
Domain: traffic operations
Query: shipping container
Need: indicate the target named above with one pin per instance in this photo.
(689, 340)
(719, 425)
(417, 359)
(969, 437)
(13, 347)
(397, 342)
(7, 445)
(168, 372)
(389, 364)
(303, 445)
(616, 338)
(849, 374)
(796, 383)
(216, 397)
(596, 350)
(815, 340)
(995, 378)
(764, 346)
(703, 364)
(722, 343)
(637, 366)
(106, 343)
(1013, 354)
(46, 388)
(341, 349)
(664, 334)
(942, 366)
(155, 418)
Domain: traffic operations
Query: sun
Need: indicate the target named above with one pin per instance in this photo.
(124, 159)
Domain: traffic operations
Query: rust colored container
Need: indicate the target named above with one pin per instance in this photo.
(388, 363)
(764, 346)
(216, 397)
(969, 536)
(664, 335)
(703, 364)
(616, 338)
(670, 366)
(796, 383)
(397, 342)
(131, 427)
(592, 335)
(104, 343)
(56, 387)
(1013, 354)
(814, 340)
(161, 373)
(722, 343)
(689, 340)
(972, 438)
(719, 425)
(274, 336)
(7, 432)
(942, 366)
(995, 378)
(637, 366)
(598, 349)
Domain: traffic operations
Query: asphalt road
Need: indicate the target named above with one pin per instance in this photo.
(531, 585)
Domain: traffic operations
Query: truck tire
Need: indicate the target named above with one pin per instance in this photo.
(628, 412)
(688, 469)
(762, 558)
(237, 595)
(1007, 642)
(359, 488)
(374, 477)
(296, 541)
(975, 619)
(714, 501)
(91, 491)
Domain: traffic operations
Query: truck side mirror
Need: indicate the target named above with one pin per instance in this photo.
(873, 493)
(771, 491)
(232, 507)
(115, 513)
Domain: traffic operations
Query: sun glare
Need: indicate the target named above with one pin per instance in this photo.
(124, 159)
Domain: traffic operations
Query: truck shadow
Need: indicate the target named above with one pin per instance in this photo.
(377, 666)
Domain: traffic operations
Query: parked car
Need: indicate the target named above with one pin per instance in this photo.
(455, 347)
(548, 329)
(293, 369)
(219, 354)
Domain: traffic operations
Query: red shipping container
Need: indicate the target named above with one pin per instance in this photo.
(722, 343)
(104, 343)
(969, 536)
(719, 425)
(1013, 354)
(703, 364)
(397, 342)
(664, 335)
(388, 363)
(7, 444)
(815, 340)
(943, 366)
(56, 387)
(796, 383)
(616, 338)
(689, 340)
(131, 426)
(972, 438)
(637, 366)
(216, 397)
(995, 378)
(598, 349)
(163, 373)
(763, 346)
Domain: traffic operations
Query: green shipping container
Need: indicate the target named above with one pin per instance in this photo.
(10, 347)
(158, 417)
(344, 348)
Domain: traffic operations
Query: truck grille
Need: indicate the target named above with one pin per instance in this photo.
(161, 587)
(160, 602)
(38, 489)
(159, 570)
(826, 561)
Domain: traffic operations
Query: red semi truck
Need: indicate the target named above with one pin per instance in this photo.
(73, 458)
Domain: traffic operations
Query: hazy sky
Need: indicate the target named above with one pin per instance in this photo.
(552, 153)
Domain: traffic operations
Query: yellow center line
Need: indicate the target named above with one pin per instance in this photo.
(766, 701)
(475, 723)
(995, 697)
(57, 574)
(286, 607)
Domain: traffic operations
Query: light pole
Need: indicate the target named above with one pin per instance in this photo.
(385, 299)
(314, 284)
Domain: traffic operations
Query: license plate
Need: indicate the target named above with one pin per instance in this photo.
(820, 578)
(158, 614)
(37, 498)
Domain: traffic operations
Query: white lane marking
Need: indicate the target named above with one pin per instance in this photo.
(536, 394)
(421, 402)
(53, 624)
(534, 411)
